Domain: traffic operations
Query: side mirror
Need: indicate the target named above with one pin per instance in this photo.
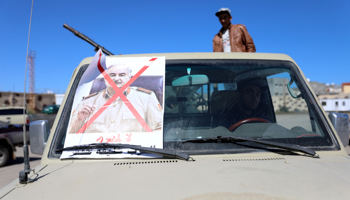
(39, 133)
(340, 123)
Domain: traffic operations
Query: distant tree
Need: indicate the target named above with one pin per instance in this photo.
(284, 109)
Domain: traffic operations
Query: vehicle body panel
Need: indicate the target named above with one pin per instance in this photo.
(189, 56)
(265, 176)
(15, 134)
(13, 115)
(249, 175)
(51, 109)
(5, 139)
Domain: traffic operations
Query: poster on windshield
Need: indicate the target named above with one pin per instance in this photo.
(118, 100)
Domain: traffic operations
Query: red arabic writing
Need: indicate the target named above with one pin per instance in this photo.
(114, 139)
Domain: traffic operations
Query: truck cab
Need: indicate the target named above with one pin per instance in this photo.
(235, 125)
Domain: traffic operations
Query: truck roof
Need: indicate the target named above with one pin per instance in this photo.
(211, 55)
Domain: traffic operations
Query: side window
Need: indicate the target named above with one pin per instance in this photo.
(12, 112)
(199, 100)
(215, 87)
(290, 111)
(187, 99)
(170, 105)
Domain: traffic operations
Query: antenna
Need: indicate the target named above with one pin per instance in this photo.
(23, 174)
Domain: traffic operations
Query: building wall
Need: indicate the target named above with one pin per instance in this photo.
(59, 98)
(35, 102)
(292, 104)
(346, 88)
(318, 88)
(335, 105)
(334, 96)
(278, 86)
(322, 88)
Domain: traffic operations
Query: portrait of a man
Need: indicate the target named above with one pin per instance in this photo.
(117, 117)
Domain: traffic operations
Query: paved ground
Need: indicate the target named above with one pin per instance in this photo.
(11, 170)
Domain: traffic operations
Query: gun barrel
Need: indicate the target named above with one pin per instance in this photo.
(87, 39)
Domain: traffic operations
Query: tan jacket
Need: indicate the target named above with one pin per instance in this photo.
(240, 40)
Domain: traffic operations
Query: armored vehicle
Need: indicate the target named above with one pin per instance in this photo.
(234, 126)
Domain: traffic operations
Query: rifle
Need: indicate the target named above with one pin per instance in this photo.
(87, 39)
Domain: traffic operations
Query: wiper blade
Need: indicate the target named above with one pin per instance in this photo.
(163, 152)
(285, 146)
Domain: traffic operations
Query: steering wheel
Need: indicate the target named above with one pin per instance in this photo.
(248, 120)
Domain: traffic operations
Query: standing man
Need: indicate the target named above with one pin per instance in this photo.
(231, 38)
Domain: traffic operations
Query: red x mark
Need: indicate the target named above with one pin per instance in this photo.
(119, 93)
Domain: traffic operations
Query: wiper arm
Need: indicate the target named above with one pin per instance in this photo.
(163, 152)
(285, 146)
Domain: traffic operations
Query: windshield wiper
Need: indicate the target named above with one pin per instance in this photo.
(285, 146)
(163, 152)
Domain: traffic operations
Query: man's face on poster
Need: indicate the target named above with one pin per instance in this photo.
(119, 74)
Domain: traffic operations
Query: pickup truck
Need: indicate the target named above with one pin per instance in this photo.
(234, 126)
(11, 135)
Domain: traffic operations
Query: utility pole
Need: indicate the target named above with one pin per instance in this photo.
(31, 63)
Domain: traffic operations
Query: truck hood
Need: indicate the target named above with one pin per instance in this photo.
(207, 177)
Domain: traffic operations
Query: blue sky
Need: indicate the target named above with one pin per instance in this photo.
(315, 33)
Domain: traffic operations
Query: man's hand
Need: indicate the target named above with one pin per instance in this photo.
(85, 112)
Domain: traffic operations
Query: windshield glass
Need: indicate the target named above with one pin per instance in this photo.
(263, 100)
(254, 99)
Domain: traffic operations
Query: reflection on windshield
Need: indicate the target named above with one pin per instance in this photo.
(251, 102)
(191, 99)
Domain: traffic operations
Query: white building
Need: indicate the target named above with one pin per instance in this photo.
(335, 105)
(59, 98)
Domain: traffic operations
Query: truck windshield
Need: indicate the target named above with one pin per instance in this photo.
(265, 100)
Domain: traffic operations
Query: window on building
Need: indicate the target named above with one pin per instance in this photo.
(324, 103)
(336, 103)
